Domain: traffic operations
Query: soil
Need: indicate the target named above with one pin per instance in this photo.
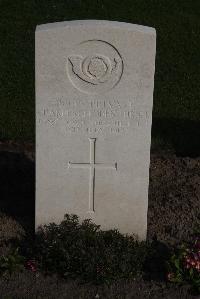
(28, 286)
(174, 212)
(174, 197)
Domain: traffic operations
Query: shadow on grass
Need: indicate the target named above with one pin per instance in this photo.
(17, 188)
(182, 135)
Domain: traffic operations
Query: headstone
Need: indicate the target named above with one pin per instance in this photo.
(94, 96)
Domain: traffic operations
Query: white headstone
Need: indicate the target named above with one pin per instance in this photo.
(94, 96)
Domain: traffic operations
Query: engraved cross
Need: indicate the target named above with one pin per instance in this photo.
(92, 165)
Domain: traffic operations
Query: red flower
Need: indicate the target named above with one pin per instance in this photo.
(31, 265)
(170, 276)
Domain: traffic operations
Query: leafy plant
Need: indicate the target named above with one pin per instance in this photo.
(11, 262)
(82, 249)
(184, 266)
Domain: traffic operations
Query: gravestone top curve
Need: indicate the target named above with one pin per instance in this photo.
(97, 23)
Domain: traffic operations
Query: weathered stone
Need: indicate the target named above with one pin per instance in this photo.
(94, 96)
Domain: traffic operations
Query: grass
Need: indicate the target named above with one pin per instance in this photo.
(177, 87)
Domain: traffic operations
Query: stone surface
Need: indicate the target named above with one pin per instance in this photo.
(94, 96)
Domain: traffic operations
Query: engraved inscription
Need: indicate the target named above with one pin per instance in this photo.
(92, 165)
(98, 117)
(96, 68)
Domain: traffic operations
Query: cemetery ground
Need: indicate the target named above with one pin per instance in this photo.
(173, 216)
(174, 190)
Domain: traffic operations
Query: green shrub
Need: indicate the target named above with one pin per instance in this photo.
(184, 265)
(74, 249)
(11, 262)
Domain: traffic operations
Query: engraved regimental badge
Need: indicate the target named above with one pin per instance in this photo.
(96, 67)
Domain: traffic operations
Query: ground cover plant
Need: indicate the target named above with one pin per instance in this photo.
(83, 250)
(176, 98)
(74, 249)
(11, 262)
(184, 265)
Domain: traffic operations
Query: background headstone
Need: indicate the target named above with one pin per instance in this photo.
(94, 96)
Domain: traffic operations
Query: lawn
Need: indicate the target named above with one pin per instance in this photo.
(176, 112)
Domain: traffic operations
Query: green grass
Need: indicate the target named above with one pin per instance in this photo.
(177, 77)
